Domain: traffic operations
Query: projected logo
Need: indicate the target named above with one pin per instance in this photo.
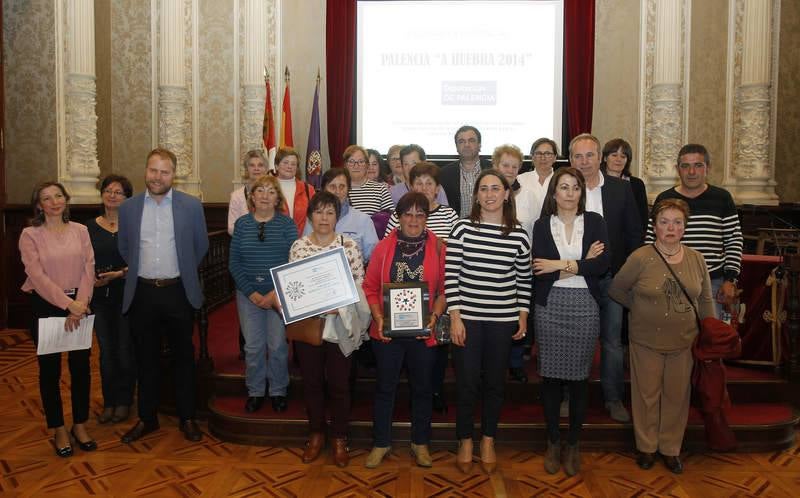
(469, 93)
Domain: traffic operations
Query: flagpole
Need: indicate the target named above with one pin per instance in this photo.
(268, 127)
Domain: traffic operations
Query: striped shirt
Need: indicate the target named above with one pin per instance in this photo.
(251, 259)
(713, 230)
(488, 274)
(440, 221)
(371, 197)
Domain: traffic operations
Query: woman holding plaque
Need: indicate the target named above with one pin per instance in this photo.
(328, 363)
(261, 241)
(117, 363)
(59, 265)
(410, 253)
(488, 288)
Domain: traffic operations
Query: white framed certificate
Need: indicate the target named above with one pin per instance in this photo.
(314, 285)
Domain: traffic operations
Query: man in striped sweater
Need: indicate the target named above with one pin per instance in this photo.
(713, 227)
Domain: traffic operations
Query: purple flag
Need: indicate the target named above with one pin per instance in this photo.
(313, 156)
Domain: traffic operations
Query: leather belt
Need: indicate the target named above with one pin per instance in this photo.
(160, 282)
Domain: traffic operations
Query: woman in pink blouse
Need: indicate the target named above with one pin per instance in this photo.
(59, 264)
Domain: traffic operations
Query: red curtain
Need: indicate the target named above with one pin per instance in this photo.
(579, 64)
(340, 54)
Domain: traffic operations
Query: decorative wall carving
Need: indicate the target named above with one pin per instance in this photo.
(173, 127)
(663, 90)
(81, 128)
(254, 36)
(750, 174)
(79, 170)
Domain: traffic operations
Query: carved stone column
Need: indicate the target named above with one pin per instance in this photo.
(174, 103)
(258, 51)
(81, 172)
(663, 97)
(750, 172)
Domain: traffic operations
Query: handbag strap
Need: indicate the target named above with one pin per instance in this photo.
(680, 284)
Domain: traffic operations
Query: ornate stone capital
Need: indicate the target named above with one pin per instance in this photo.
(663, 90)
(750, 172)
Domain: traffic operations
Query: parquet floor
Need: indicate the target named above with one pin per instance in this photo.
(164, 465)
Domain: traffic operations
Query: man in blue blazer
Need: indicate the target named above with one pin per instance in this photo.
(613, 199)
(163, 238)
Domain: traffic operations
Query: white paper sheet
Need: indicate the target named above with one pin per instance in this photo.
(53, 338)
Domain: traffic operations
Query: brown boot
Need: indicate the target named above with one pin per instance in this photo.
(571, 459)
(313, 446)
(552, 457)
(340, 452)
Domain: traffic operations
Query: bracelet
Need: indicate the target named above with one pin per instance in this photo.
(568, 268)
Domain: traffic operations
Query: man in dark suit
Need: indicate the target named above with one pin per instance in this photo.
(458, 178)
(613, 199)
(163, 238)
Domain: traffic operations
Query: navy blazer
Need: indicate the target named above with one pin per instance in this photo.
(191, 241)
(594, 229)
(450, 180)
(622, 220)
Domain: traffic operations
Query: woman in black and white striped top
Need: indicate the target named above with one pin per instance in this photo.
(424, 178)
(488, 289)
(366, 195)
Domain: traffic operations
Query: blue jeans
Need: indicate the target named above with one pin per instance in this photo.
(719, 308)
(264, 332)
(611, 365)
(389, 359)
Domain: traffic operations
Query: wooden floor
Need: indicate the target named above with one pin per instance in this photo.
(164, 464)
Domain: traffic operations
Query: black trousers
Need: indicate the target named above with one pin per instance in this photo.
(481, 374)
(578, 403)
(50, 372)
(153, 312)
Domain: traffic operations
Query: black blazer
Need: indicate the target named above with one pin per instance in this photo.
(640, 196)
(450, 180)
(594, 229)
(622, 220)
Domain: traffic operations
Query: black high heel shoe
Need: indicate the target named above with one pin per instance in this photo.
(64, 452)
(89, 445)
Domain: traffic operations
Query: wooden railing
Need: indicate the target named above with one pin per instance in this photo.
(218, 289)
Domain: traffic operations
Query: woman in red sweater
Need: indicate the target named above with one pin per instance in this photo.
(410, 253)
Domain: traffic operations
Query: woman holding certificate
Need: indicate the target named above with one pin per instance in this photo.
(410, 253)
(261, 240)
(488, 289)
(59, 264)
(327, 363)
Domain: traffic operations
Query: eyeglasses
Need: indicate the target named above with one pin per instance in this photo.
(353, 162)
(119, 193)
(397, 158)
(261, 227)
(540, 154)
